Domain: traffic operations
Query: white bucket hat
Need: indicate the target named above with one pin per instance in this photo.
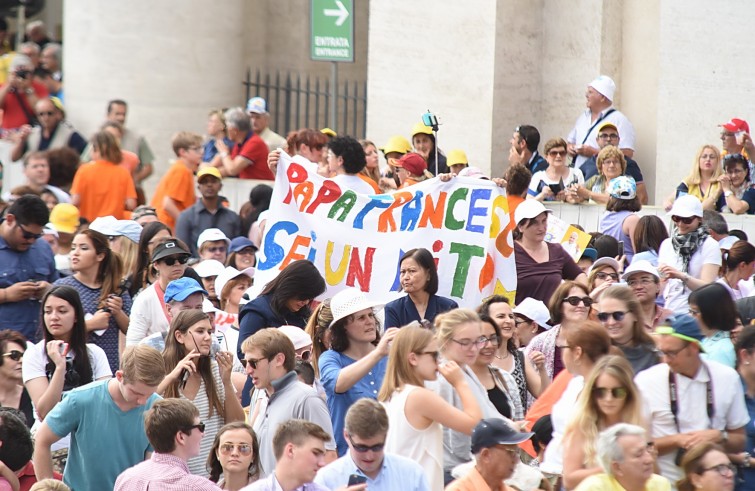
(534, 310)
(349, 301)
(227, 275)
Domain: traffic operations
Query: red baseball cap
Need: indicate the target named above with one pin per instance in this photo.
(413, 163)
(734, 125)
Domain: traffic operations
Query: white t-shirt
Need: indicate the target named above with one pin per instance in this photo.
(574, 177)
(354, 183)
(584, 122)
(34, 366)
(563, 410)
(729, 412)
(676, 293)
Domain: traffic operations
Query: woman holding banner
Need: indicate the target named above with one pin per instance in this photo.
(419, 279)
(540, 265)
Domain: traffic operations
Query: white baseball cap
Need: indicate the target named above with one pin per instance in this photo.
(687, 206)
(641, 266)
(529, 209)
(608, 261)
(209, 267)
(211, 235)
(297, 336)
(535, 310)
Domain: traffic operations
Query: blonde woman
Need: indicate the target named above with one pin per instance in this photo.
(417, 414)
(703, 180)
(609, 397)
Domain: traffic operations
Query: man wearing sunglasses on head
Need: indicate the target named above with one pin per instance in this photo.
(365, 431)
(175, 432)
(270, 359)
(689, 401)
(27, 265)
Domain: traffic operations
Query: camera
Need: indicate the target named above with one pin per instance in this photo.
(22, 73)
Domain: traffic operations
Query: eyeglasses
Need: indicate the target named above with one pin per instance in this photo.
(217, 249)
(170, 261)
(563, 347)
(196, 149)
(304, 356)
(14, 355)
(512, 451)
(557, 153)
(684, 220)
(618, 316)
(365, 448)
(608, 136)
(467, 343)
(616, 392)
(574, 301)
(494, 340)
(673, 353)
(199, 426)
(602, 276)
(243, 448)
(434, 354)
(640, 281)
(45, 113)
(251, 363)
(735, 156)
(518, 322)
(735, 171)
(722, 469)
(28, 235)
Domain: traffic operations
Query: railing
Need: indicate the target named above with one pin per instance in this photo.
(295, 101)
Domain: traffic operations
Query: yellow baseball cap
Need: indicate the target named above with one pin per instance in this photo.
(456, 157)
(208, 171)
(64, 217)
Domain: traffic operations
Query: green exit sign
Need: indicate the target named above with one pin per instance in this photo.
(332, 30)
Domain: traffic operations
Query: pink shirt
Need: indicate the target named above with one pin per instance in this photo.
(165, 472)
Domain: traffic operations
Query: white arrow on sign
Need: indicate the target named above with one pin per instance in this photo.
(341, 12)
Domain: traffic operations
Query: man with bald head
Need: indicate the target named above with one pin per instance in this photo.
(52, 132)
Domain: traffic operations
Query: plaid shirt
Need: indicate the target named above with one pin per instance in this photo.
(162, 472)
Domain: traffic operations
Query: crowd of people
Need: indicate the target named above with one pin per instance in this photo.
(134, 354)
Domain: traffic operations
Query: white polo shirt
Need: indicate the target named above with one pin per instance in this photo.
(584, 122)
(729, 412)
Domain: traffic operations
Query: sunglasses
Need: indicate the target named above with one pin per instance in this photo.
(243, 448)
(170, 261)
(603, 276)
(559, 153)
(304, 356)
(617, 316)
(14, 355)
(684, 220)
(616, 392)
(199, 426)
(251, 363)
(434, 354)
(45, 113)
(574, 301)
(217, 249)
(28, 235)
(365, 448)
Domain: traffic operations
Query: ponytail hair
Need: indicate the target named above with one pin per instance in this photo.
(740, 252)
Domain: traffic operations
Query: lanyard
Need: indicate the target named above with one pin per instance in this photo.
(674, 396)
(596, 123)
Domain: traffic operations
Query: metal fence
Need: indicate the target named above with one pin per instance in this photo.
(297, 102)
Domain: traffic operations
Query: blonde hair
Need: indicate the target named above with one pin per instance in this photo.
(447, 323)
(608, 152)
(587, 416)
(129, 255)
(399, 372)
(694, 176)
(184, 140)
(317, 325)
(142, 364)
(49, 485)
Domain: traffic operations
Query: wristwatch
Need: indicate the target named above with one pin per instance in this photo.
(728, 193)
(746, 462)
(724, 436)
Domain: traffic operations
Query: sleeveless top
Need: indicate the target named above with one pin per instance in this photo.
(197, 464)
(611, 223)
(422, 446)
(60, 138)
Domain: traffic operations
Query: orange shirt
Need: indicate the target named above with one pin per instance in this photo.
(103, 188)
(129, 160)
(178, 185)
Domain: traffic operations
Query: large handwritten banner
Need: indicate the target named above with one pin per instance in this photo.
(357, 240)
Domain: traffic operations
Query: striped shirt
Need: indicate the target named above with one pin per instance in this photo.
(197, 464)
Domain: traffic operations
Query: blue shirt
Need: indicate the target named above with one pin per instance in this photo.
(331, 362)
(38, 264)
(105, 440)
(719, 348)
(397, 472)
(210, 150)
(402, 311)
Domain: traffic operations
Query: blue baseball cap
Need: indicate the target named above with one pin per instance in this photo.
(181, 288)
(239, 243)
(684, 327)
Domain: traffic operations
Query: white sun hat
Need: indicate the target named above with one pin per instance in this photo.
(227, 275)
(349, 301)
